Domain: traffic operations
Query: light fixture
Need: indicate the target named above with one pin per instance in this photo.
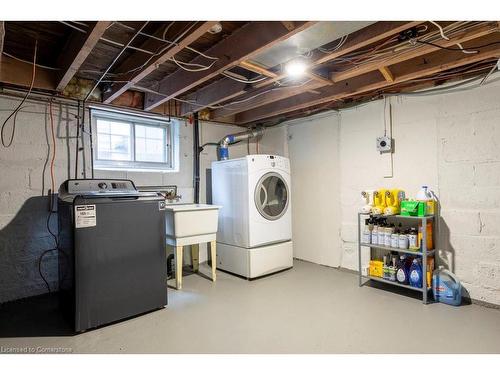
(216, 28)
(296, 68)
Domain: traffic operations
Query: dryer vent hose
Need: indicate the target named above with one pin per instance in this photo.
(223, 150)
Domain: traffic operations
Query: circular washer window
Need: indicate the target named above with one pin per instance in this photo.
(271, 196)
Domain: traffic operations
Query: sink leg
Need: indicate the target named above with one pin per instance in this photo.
(178, 267)
(195, 256)
(213, 256)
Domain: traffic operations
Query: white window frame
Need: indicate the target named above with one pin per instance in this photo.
(171, 141)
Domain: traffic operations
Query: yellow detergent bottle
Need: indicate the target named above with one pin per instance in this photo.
(379, 200)
(393, 200)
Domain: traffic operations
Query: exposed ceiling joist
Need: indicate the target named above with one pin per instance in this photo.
(152, 63)
(437, 62)
(256, 68)
(246, 42)
(77, 50)
(2, 36)
(19, 73)
(382, 65)
(420, 50)
(264, 96)
(369, 35)
(355, 41)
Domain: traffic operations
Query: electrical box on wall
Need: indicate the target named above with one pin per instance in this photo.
(384, 144)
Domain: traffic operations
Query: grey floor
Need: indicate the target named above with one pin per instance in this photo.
(309, 309)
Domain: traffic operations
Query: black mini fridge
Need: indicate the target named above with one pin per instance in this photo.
(112, 260)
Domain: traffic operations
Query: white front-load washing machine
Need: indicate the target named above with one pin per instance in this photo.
(255, 221)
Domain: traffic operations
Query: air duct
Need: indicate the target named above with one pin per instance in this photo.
(223, 150)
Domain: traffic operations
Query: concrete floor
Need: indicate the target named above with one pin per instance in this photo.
(309, 309)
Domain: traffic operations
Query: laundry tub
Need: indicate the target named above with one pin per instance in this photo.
(191, 223)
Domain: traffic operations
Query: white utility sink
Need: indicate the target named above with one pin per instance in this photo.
(188, 223)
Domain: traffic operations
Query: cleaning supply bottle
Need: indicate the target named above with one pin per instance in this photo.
(381, 234)
(367, 234)
(429, 241)
(393, 270)
(446, 287)
(367, 197)
(413, 239)
(425, 195)
(402, 270)
(403, 240)
(416, 274)
(395, 238)
(393, 199)
(379, 201)
(385, 270)
(375, 234)
(388, 234)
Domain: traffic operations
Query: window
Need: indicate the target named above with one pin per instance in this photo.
(130, 142)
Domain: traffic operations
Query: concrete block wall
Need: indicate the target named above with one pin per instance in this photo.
(24, 187)
(447, 141)
(25, 180)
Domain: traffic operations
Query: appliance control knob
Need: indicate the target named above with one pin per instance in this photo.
(102, 185)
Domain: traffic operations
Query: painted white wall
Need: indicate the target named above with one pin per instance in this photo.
(314, 159)
(449, 142)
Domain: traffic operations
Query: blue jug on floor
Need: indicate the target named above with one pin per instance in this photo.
(446, 288)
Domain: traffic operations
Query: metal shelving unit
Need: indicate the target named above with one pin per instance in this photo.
(424, 253)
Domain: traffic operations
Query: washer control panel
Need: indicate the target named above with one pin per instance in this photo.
(100, 186)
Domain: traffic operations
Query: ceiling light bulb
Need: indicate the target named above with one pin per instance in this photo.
(295, 68)
(215, 29)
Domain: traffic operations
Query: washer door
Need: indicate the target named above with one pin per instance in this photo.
(271, 196)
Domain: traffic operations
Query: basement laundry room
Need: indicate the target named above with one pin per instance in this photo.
(177, 185)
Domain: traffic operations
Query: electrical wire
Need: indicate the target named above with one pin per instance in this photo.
(18, 108)
(52, 185)
(460, 47)
(337, 47)
(29, 62)
(475, 48)
(496, 66)
(181, 64)
(52, 179)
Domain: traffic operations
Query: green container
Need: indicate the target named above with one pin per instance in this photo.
(413, 208)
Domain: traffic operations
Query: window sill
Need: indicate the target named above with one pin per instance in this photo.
(141, 170)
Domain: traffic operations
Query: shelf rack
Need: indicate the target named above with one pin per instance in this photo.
(424, 253)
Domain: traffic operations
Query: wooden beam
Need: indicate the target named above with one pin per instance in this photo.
(263, 96)
(289, 25)
(482, 30)
(221, 90)
(356, 40)
(387, 74)
(2, 37)
(420, 49)
(318, 78)
(256, 68)
(18, 73)
(250, 40)
(437, 62)
(77, 50)
(369, 35)
(151, 65)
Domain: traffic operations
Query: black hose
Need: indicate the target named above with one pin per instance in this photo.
(196, 157)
